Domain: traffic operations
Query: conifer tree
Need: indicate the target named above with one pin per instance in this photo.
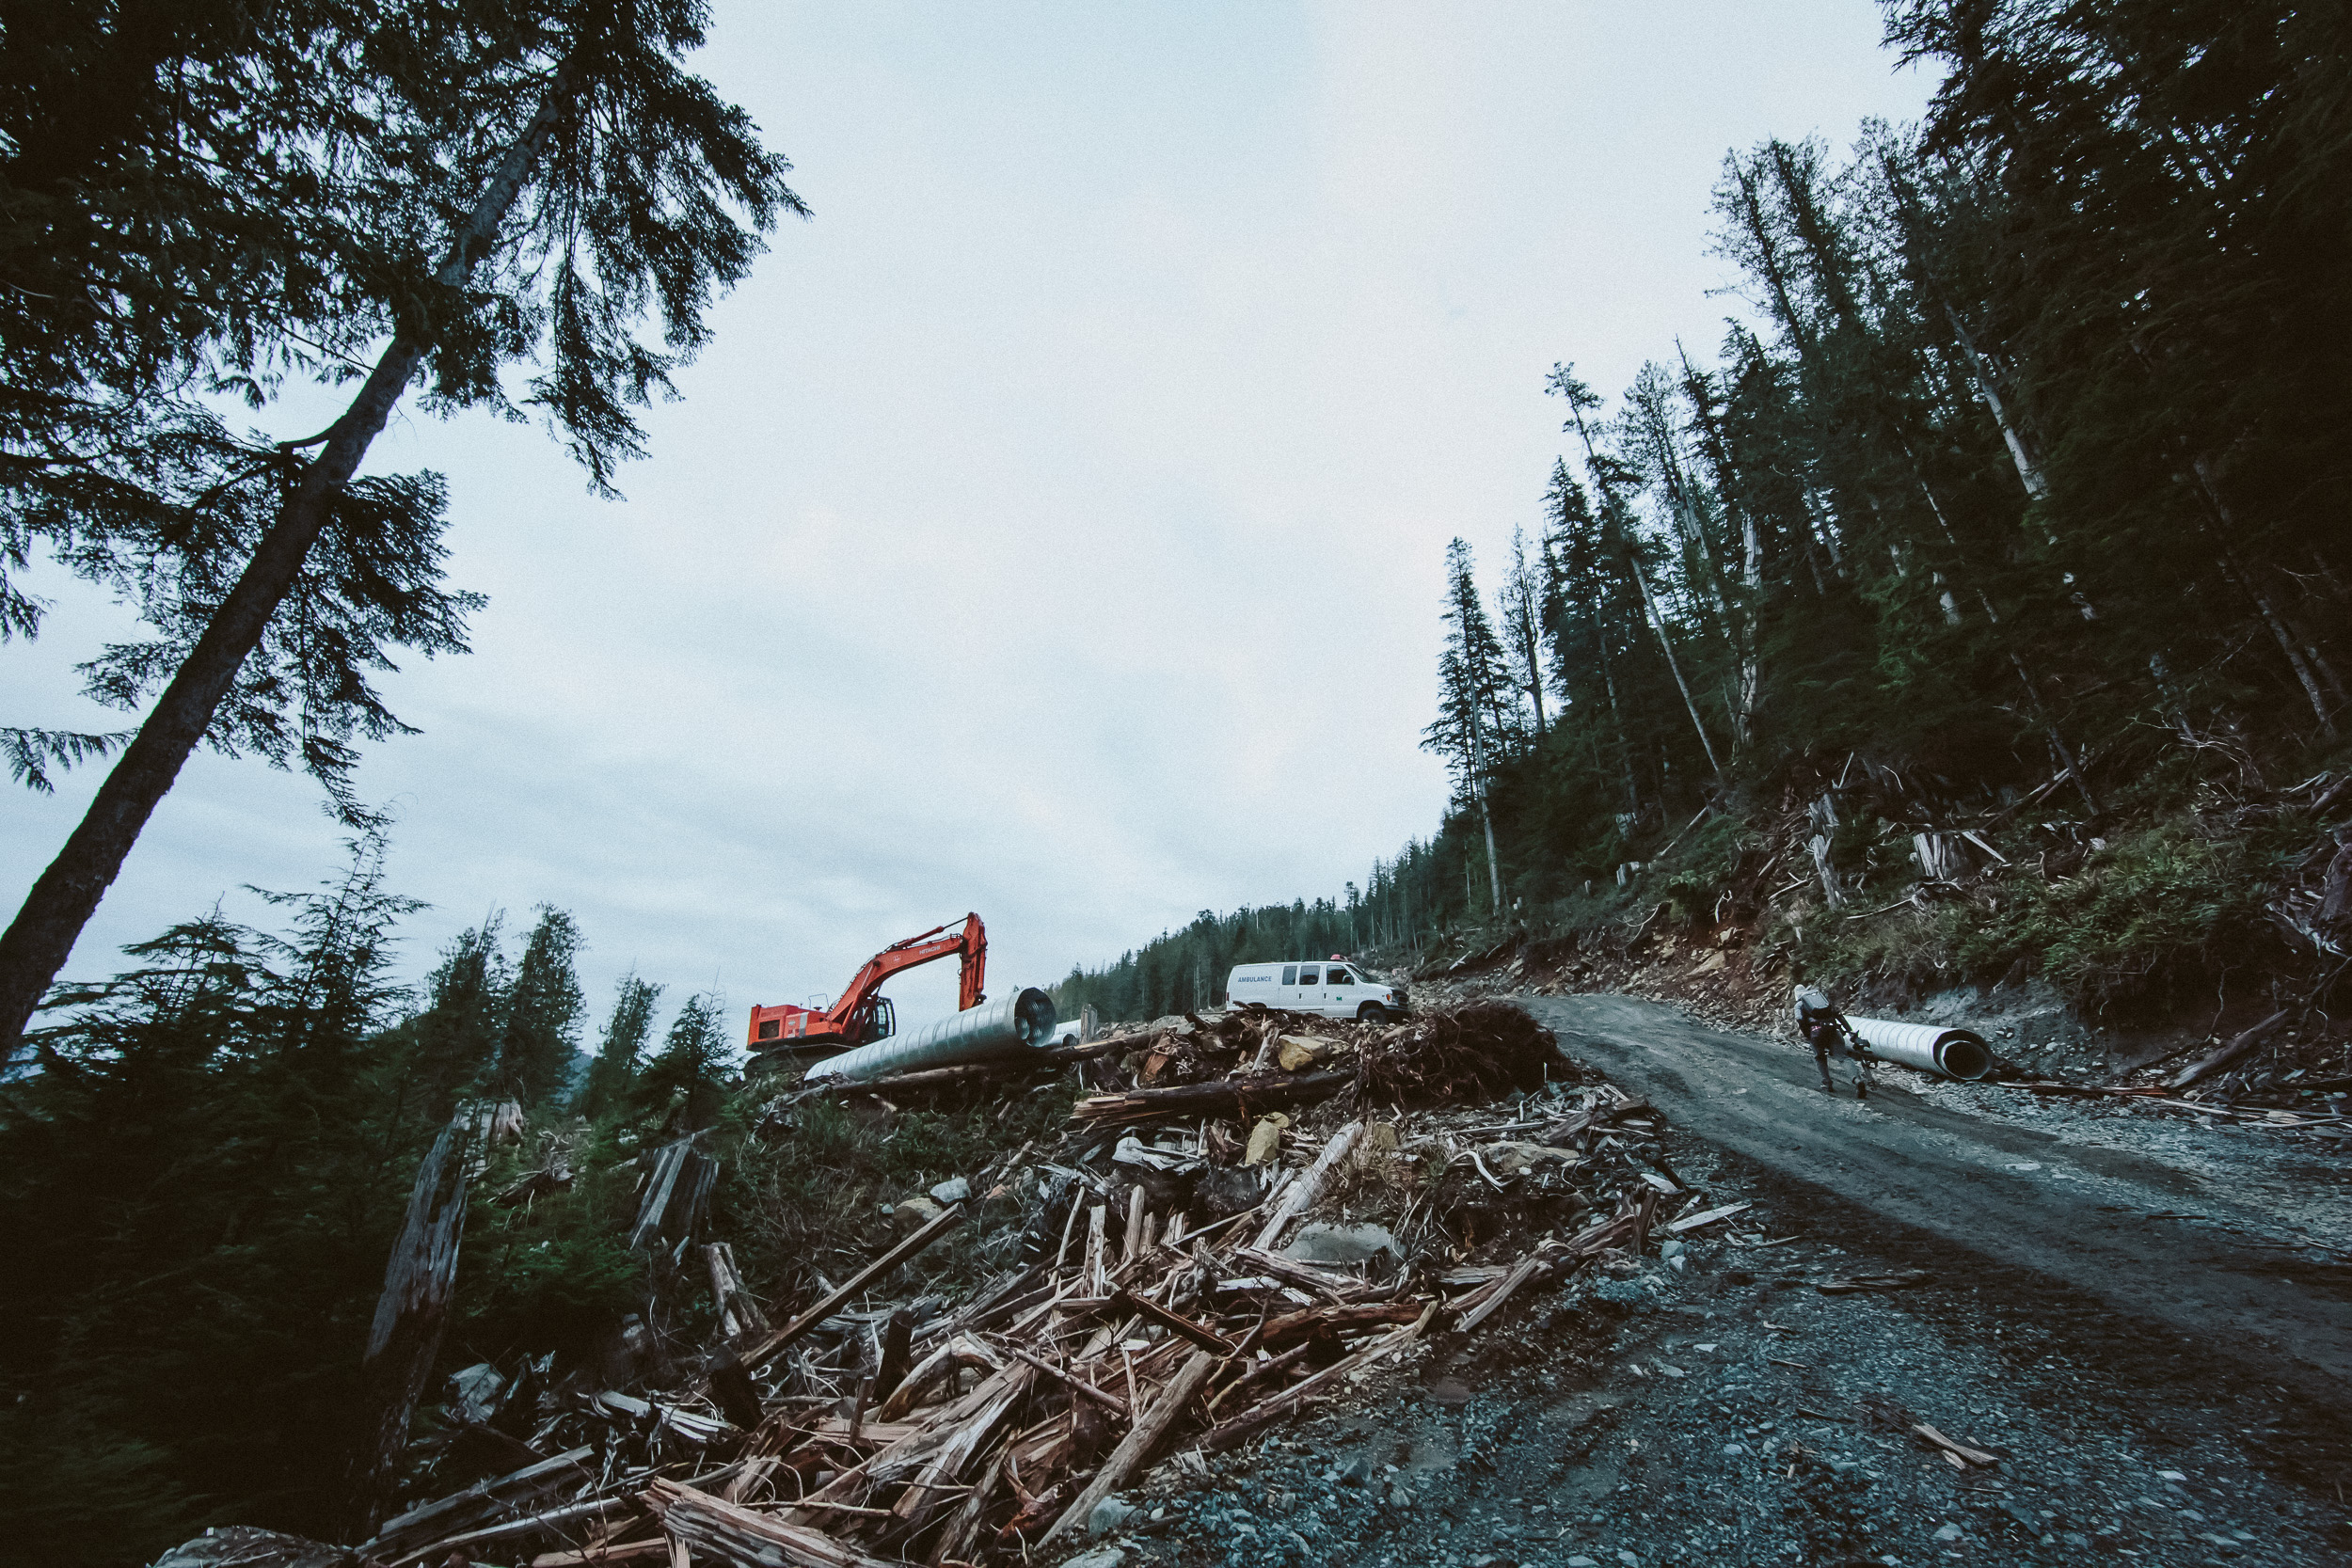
(452, 1048)
(1473, 702)
(586, 179)
(539, 1045)
(612, 1076)
(686, 1080)
(191, 1168)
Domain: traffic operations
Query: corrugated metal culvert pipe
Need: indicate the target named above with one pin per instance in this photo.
(1022, 1021)
(1928, 1047)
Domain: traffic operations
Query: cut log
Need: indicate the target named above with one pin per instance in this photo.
(1138, 1444)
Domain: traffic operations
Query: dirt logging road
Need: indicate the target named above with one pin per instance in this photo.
(2228, 1237)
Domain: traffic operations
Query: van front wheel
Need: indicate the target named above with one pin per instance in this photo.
(1372, 1012)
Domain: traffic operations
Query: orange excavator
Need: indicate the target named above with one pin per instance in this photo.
(859, 1017)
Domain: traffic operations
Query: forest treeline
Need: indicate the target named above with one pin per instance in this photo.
(206, 1157)
(2025, 463)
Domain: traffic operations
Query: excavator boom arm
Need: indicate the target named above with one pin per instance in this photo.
(970, 939)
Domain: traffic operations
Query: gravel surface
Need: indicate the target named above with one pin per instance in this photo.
(2134, 1368)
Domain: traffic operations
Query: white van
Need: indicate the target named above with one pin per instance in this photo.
(1335, 988)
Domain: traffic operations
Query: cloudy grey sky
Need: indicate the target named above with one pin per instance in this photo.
(1055, 529)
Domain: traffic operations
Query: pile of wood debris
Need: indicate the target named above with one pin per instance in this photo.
(1200, 1264)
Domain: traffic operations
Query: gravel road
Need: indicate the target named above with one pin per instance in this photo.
(2145, 1321)
(2157, 1238)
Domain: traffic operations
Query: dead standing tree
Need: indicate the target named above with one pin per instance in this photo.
(414, 1307)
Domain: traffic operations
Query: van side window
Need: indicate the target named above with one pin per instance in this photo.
(1290, 974)
(1306, 976)
(1339, 978)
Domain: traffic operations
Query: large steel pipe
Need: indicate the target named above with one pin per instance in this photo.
(1022, 1021)
(1931, 1048)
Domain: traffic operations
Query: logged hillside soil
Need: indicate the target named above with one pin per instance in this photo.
(2094, 1306)
(1664, 1304)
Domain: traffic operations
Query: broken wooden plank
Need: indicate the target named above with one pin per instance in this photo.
(765, 1350)
(1524, 1270)
(718, 1532)
(1304, 1193)
(1225, 1435)
(1692, 1222)
(1175, 1322)
(1973, 1456)
(1137, 1446)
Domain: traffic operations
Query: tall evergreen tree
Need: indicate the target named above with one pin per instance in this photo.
(451, 1046)
(1475, 704)
(686, 1080)
(192, 1168)
(591, 180)
(539, 1045)
(620, 1050)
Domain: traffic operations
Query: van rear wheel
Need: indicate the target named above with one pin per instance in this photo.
(1372, 1012)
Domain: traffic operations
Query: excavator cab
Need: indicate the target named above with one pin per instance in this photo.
(880, 1020)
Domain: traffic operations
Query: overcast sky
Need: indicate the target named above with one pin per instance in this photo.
(1056, 526)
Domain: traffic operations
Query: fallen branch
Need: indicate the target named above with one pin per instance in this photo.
(725, 1534)
(1138, 1444)
(765, 1351)
(1973, 1456)
(2237, 1047)
(1175, 1322)
(1072, 1381)
(1305, 1192)
(1243, 1098)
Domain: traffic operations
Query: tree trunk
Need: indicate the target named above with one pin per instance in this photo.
(41, 937)
(1494, 866)
(409, 1316)
(1658, 623)
(1486, 814)
(2028, 467)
